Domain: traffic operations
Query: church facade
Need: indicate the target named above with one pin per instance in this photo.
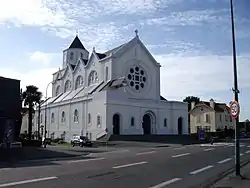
(112, 93)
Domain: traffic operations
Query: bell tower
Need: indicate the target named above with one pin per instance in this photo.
(75, 52)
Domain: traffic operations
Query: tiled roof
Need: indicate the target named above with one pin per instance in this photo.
(218, 107)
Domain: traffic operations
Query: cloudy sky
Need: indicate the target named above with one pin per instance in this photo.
(190, 38)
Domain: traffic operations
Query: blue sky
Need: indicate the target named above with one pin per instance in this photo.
(190, 38)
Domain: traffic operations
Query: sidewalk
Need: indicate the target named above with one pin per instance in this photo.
(231, 181)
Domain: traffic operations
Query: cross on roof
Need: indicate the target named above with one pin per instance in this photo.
(136, 32)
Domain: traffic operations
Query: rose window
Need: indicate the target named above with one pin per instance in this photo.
(136, 78)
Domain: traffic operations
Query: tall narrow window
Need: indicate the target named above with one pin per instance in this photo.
(52, 118)
(89, 118)
(106, 73)
(132, 121)
(93, 77)
(220, 118)
(81, 55)
(63, 119)
(207, 118)
(67, 86)
(98, 121)
(57, 90)
(41, 118)
(165, 122)
(71, 56)
(198, 119)
(76, 116)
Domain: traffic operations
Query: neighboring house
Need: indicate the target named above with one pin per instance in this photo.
(210, 116)
(89, 97)
(10, 109)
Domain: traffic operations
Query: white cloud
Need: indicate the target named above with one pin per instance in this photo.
(32, 12)
(44, 58)
(183, 76)
(40, 78)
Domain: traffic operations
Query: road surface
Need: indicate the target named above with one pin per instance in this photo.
(183, 166)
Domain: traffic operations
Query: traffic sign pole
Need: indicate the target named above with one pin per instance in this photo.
(236, 97)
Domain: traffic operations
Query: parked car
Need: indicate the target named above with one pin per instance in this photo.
(81, 141)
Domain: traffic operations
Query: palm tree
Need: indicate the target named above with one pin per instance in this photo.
(31, 97)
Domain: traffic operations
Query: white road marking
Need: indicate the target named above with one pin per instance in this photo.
(27, 181)
(86, 160)
(145, 153)
(201, 169)
(119, 151)
(242, 146)
(247, 151)
(132, 164)
(248, 146)
(180, 148)
(208, 149)
(164, 184)
(241, 154)
(180, 155)
(225, 160)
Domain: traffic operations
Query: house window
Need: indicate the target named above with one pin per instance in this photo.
(52, 118)
(76, 116)
(81, 55)
(41, 118)
(79, 82)
(71, 57)
(165, 122)
(106, 73)
(199, 128)
(226, 117)
(98, 121)
(207, 118)
(132, 121)
(198, 119)
(220, 118)
(63, 119)
(89, 118)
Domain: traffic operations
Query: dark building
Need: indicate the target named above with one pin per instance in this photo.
(10, 109)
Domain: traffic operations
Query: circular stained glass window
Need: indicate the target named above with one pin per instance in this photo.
(136, 78)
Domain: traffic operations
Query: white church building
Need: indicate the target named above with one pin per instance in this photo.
(112, 93)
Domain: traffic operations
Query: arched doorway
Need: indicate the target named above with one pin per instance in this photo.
(146, 124)
(116, 124)
(180, 126)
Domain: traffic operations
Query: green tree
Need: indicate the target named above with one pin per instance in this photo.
(191, 99)
(31, 97)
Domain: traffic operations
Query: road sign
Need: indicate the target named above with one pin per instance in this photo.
(234, 109)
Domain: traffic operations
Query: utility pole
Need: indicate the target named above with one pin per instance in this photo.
(236, 97)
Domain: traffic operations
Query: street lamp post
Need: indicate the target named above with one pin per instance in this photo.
(45, 114)
(236, 97)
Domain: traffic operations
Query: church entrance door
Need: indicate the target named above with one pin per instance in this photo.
(146, 124)
(116, 124)
(180, 125)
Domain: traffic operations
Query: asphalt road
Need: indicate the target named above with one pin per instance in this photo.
(181, 167)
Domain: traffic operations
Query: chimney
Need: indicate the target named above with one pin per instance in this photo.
(192, 105)
(212, 103)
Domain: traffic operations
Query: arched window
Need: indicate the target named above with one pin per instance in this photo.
(165, 122)
(79, 82)
(67, 86)
(57, 90)
(52, 118)
(71, 57)
(63, 119)
(106, 73)
(98, 121)
(89, 118)
(93, 78)
(81, 55)
(132, 121)
(76, 116)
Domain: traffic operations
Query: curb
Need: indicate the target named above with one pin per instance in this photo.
(220, 176)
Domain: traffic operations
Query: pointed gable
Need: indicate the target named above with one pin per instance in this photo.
(76, 44)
